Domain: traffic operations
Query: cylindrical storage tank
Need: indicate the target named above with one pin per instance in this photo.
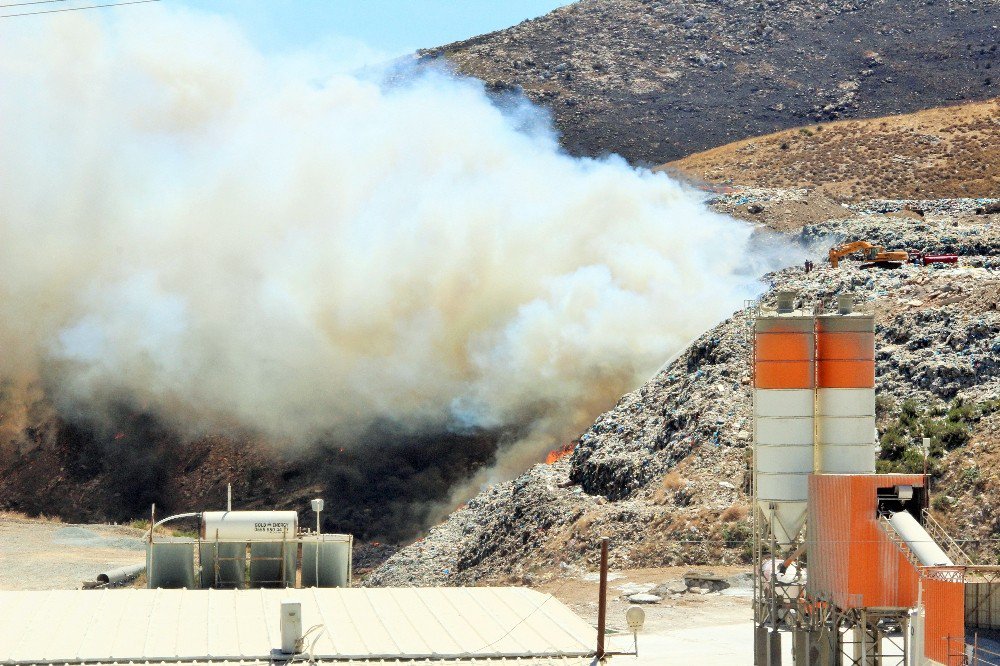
(170, 565)
(249, 525)
(845, 394)
(783, 409)
(223, 565)
(273, 564)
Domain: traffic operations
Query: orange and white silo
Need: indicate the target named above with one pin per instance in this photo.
(783, 407)
(846, 441)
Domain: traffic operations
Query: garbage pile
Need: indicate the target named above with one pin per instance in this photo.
(665, 473)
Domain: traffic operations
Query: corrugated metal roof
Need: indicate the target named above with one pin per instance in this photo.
(106, 626)
(302, 659)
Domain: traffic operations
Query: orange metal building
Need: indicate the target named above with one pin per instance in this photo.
(852, 561)
(944, 617)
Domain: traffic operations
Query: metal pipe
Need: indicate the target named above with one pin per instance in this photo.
(794, 555)
(121, 574)
(169, 518)
(774, 574)
(774, 592)
(602, 602)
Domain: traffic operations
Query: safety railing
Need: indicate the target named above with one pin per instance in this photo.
(893, 536)
(943, 539)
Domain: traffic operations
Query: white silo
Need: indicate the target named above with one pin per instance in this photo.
(845, 395)
(783, 407)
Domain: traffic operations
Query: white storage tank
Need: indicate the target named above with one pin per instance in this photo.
(249, 525)
(783, 408)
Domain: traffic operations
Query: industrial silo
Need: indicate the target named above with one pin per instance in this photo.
(845, 393)
(783, 404)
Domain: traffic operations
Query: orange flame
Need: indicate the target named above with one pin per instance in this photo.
(555, 455)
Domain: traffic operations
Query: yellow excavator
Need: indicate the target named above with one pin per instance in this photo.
(875, 255)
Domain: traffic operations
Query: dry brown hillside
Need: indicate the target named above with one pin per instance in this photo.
(949, 151)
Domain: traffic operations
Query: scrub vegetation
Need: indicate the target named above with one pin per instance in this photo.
(948, 426)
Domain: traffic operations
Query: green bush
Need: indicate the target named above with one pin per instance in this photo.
(941, 503)
(884, 405)
(948, 427)
(909, 412)
(970, 475)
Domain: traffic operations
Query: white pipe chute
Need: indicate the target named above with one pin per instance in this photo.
(923, 546)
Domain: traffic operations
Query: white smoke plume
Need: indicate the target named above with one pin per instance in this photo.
(235, 240)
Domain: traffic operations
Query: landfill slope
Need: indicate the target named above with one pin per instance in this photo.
(951, 151)
(655, 80)
(665, 474)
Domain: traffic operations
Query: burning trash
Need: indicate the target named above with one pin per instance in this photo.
(555, 455)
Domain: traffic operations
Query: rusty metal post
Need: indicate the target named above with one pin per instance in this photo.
(149, 546)
(602, 602)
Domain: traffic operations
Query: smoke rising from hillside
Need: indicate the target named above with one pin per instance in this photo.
(232, 240)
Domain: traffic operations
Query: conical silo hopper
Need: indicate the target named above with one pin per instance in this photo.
(783, 407)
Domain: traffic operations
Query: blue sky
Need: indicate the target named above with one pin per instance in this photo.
(391, 27)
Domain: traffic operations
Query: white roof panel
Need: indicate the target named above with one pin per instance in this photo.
(100, 626)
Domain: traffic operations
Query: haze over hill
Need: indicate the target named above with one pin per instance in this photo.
(207, 248)
(655, 80)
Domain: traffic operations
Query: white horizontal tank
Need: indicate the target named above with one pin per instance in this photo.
(249, 525)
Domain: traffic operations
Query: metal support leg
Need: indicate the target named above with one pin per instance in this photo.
(800, 648)
(759, 645)
(774, 643)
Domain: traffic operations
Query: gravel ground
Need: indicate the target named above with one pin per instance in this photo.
(713, 628)
(40, 555)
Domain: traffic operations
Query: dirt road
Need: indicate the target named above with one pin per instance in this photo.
(714, 628)
(40, 555)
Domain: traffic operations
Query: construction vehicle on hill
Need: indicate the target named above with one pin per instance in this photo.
(874, 255)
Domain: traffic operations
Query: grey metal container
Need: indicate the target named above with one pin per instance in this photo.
(266, 564)
(170, 565)
(334, 566)
(231, 560)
